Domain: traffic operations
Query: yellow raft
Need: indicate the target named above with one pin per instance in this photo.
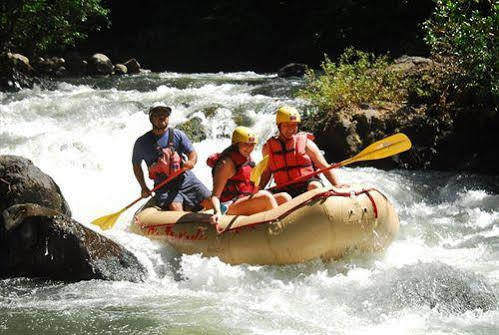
(325, 223)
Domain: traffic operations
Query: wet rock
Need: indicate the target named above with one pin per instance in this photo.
(435, 285)
(54, 66)
(20, 62)
(193, 129)
(241, 118)
(120, 69)
(292, 70)
(133, 66)
(75, 64)
(23, 182)
(15, 72)
(42, 242)
(100, 64)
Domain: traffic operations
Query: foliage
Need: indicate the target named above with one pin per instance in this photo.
(359, 77)
(462, 34)
(38, 26)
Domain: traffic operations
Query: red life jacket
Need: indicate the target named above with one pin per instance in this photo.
(168, 162)
(289, 160)
(239, 184)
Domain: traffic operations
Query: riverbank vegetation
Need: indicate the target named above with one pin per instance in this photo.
(35, 27)
(440, 102)
(462, 72)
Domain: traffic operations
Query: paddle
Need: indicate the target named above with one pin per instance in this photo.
(386, 147)
(257, 171)
(106, 222)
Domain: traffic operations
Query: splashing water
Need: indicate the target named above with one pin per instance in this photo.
(441, 274)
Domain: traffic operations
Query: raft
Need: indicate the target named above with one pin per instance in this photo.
(323, 223)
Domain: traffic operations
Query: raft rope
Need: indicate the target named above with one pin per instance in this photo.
(323, 195)
(350, 194)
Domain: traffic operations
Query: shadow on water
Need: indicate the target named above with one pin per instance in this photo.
(432, 285)
(436, 187)
(147, 82)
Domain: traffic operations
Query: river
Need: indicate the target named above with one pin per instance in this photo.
(440, 275)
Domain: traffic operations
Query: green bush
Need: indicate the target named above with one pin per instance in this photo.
(359, 77)
(37, 26)
(462, 33)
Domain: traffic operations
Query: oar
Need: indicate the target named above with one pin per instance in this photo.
(106, 222)
(257, 171)
(386, 147)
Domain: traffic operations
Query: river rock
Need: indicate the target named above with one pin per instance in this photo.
(133, 66)
(75, 64)
(193, 129)
(38, 238)
(42, 242)
(120, 69)
(52, 66)
(292, 70)
(439, 286)
(100, 64)
(15, 72)
(22, 182)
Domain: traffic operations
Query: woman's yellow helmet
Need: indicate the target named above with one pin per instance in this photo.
(287, 114)
(244, 135)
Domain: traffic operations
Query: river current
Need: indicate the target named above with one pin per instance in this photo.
(440, 275)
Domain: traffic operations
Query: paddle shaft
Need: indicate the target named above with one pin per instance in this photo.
(307, 176)
(386, 147)
(163, 183)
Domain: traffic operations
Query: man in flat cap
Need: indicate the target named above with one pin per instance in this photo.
(164, 149)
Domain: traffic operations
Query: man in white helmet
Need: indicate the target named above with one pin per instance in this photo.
(293, 155)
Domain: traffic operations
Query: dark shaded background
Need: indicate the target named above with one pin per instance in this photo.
(223, 35)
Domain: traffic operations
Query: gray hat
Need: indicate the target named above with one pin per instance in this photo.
(160, 109)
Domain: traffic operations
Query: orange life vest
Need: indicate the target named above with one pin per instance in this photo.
(239, 184)
(168, 162)
(289, 160)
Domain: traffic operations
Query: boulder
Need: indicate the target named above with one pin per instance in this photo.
(241, 117)
(100, 64)
(38, 238)
(292, 70)
(42, 242)
(22, 182)
(193, 129)
(15, 72)
(50, 66)
(75, 64)
(20, 62)
(133, 66)
(120, 69)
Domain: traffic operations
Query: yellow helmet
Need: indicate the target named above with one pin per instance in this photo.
(243, 135)
(287, 114)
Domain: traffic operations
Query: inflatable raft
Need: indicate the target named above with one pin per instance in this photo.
(325, 222)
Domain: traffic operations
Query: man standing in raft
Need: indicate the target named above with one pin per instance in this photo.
(292, 155)
(231, 179)
(162, 149)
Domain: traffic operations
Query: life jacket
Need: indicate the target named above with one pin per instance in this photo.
(289, 160)
(239, 184)
(168, 161)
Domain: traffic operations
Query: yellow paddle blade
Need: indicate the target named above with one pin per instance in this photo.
(257, 171)
(106, 222)
(386, 147)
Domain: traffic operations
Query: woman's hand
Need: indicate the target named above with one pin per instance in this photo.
(145, 192)
(214, 219)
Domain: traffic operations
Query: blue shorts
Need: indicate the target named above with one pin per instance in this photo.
(186, 189)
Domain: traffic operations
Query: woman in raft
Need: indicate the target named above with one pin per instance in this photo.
(233, 191)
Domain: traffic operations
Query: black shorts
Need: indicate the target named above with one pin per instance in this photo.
(298, 188)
